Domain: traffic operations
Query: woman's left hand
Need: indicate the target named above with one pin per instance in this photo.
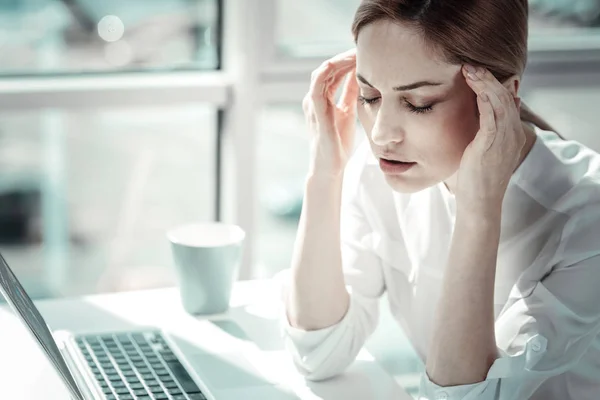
(491, 158)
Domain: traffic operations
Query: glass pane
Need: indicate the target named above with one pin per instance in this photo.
(282, 165)
(55, 36)
(314, 28)
(86, 197)
(321, 29)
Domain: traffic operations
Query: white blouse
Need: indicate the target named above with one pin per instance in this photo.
(547, 288)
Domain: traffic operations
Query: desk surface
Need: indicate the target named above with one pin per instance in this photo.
(25, 374)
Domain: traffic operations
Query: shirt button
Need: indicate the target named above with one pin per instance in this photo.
(441, 396)
(536, 345)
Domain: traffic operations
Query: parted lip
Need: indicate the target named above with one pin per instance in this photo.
(391, 157)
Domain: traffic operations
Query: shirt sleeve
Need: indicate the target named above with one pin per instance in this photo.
(324, 353)
(544, 330)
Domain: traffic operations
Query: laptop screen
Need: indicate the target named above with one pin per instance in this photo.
(20, 302)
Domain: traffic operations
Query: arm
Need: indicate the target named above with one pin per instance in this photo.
(322, 353)
(531, 348)
(463, 346)
(325, 327)
(317, 295)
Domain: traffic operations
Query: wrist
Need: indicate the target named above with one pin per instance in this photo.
(327, 177)
(479, 216)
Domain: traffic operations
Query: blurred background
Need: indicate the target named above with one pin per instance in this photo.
(121, 119)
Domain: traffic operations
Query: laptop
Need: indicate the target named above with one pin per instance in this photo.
(145, 364)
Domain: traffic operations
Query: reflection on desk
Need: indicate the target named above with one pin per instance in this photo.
(252, 323)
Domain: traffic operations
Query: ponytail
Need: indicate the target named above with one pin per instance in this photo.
(527, 115)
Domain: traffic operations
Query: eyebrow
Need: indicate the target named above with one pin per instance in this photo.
(403, 88)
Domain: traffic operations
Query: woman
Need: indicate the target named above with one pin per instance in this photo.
(481, 223)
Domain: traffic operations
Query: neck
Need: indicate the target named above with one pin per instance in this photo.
(531, 137)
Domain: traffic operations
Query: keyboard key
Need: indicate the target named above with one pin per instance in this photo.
(179, 397)
(107, 390)
(132, 380)
(175, 391)
(161, 372)
(118, 385)
(183, 377)
(126, 397)
(170, 384)
(152, 382)
(136, 386)
(140, 392)
(144, 398)
(147, 376)
(113, 377)
(139, 338)
(156, 389)
(161, 396)
(129, 373)
(122, 391)
(111, 397)
(196, 396)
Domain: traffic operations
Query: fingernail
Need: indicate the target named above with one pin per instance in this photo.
(471, 72)
(470, 68)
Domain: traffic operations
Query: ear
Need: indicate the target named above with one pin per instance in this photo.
(513, 84)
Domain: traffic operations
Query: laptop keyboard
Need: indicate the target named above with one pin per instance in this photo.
(137, 366)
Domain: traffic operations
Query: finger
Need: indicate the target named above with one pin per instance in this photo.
(487, 120)
(497, 97)
(485, 77)
(350, 93)
(335, 80)
(321, 76)
(500, 112)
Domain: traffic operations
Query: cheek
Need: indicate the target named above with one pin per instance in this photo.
(462, 122)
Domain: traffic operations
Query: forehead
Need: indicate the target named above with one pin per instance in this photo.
(388, 50)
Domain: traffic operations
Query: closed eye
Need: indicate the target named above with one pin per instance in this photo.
(363, 100)
(411, 107)
(418, 110)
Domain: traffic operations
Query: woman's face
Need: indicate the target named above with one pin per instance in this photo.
(431, 124)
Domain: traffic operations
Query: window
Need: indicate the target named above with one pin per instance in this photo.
(321, 29)
(58, 36)
(314, 28)
(91, 194)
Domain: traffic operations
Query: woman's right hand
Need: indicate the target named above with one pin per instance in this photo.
(332, 126)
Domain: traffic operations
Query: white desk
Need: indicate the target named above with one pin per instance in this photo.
(25, 374)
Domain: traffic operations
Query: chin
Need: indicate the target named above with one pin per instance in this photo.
(403, 185)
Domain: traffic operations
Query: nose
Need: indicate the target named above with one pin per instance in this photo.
(388, 129)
